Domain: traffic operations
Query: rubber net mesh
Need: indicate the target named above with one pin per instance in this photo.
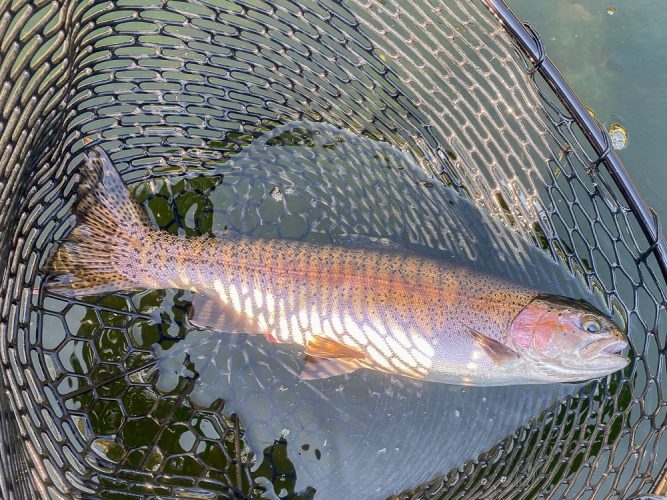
(175, 91)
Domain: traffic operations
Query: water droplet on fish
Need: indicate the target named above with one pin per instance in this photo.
(457, 413)
(382, 451)
(484, 398)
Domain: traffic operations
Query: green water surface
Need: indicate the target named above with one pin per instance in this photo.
(614, 54)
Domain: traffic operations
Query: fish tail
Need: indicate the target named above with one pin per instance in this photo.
(109, 227)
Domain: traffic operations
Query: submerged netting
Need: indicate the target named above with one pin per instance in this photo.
(303, 120)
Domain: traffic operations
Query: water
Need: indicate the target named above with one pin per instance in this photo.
(617, 64)
(368, 431)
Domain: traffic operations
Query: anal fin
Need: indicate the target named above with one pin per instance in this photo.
(208, 312)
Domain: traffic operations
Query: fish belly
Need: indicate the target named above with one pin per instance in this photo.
(297, 307)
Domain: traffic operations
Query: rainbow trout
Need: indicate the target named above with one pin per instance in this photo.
(378, 308)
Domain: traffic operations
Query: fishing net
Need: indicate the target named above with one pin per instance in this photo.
(423, 122)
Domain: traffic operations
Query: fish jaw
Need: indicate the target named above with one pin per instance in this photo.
(603, 348)
(604, 355)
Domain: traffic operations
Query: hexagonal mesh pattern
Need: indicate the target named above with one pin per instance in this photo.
(174, 90)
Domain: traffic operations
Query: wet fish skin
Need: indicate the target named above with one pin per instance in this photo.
(350, 307)
(382, 303)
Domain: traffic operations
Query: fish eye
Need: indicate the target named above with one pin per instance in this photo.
(591, 326)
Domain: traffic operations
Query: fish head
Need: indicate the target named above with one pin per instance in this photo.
(565, 340)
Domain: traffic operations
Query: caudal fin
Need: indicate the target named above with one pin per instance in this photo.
(96, 256)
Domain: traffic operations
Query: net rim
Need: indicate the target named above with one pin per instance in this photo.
(530, 43)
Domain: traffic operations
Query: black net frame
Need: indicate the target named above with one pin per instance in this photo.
(605, 441)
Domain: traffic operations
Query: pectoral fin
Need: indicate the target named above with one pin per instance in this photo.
(326, 358)
(323, 347)
(317, 368)
(209, 312)
(497, 351)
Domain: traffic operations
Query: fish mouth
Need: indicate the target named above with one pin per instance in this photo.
(599, 358)
(614, 348)
(604, 348)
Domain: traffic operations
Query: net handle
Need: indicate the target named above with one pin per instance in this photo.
(530, 43)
